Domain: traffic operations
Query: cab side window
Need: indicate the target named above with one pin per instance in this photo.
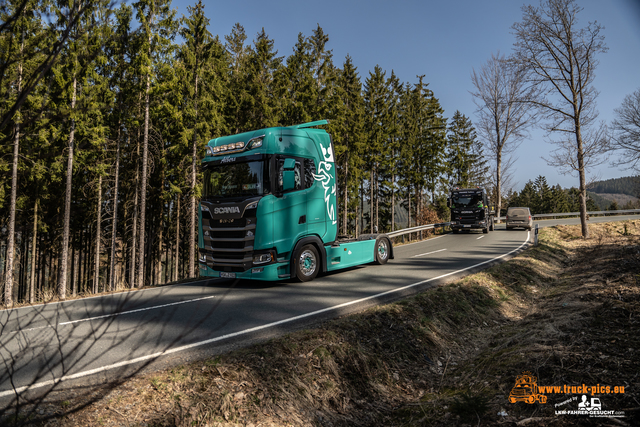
(309, 172)
(297, 173)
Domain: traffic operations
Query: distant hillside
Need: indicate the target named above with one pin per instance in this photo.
(620, 199)
(601, 202)
(629, 185)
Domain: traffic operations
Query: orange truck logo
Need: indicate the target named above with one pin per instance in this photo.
(526, 390)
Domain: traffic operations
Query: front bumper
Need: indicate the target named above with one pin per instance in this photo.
(270, 272)
(465, 226)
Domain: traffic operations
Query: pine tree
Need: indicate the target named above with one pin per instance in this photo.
(544, 195)
(158, 29)
(323, 72)
(299, 95)
(348, 137)
(461, 140)
(237, 95)
(479, 170)
(260, 107)
(376, 107)
(425, 130)
(119, 50)
(389, 173)
(79, 61)
(201, 113)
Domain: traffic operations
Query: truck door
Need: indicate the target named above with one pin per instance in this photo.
(289, 207)
(316, 203)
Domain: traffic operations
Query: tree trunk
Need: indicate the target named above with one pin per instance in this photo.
(34, 247)
(376, 228)
(409, 208)
(371, 201)
(194, 160)
(76, 267)
(498, 183)
(114, 222)
(177, 252)
(96, 276)
(8, 277)
(132, 278)
(362, 196)
(583, 183)
(393, 196)
(346, 194)
(143, 183)
(160, 226)
(64, 259)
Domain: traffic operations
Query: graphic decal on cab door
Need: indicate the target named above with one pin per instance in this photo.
(327, 178)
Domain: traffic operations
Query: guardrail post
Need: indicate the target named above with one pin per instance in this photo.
(535, 236)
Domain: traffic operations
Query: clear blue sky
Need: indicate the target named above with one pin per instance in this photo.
(445, 41)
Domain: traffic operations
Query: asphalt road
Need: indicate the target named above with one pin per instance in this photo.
(108, 336)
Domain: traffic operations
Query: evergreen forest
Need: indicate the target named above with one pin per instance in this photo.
(106, 110)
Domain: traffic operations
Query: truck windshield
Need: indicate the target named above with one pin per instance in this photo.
(233, 180)
(473, 201)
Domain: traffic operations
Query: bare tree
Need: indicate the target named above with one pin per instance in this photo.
(560, 59)
(594, 146)
(502, 96)
(626, 130)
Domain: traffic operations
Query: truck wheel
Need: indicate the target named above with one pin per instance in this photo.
(382, 251)
(306, 263)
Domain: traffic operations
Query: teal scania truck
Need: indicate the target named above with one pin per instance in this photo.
(268, 209)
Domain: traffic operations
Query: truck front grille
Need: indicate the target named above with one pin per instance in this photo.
(228, 243)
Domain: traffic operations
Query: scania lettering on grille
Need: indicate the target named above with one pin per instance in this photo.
(226, 210)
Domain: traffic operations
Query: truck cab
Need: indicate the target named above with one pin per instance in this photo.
(470, 210)
(268, 209)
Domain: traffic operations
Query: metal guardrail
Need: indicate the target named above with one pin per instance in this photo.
(417, 229)
(501, 218)
(553, 215)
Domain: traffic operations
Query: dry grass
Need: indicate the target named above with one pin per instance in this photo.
(566, 310)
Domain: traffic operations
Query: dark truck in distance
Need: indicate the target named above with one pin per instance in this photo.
(470, 210)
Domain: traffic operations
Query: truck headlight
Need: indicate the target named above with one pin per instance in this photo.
(262, 258)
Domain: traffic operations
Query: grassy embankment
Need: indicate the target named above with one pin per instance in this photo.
(567, 310)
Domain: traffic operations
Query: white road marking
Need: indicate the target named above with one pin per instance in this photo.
(428, 253)
(30, 329)
(422, 241)
(55, 381)
(88, 319)
(479, 237)
(134, 311)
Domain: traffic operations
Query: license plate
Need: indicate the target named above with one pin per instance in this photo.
(467, 226)
(227, 275)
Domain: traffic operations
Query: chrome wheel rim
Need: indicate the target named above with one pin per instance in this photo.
(307, 262)
(383, 251)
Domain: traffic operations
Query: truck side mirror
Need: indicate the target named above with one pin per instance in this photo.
(288, 175)
(288, 180)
